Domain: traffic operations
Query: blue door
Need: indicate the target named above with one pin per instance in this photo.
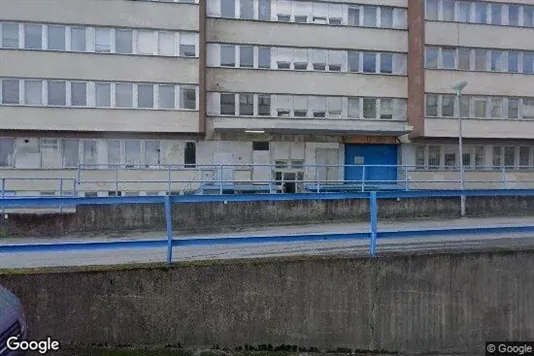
(358, 154)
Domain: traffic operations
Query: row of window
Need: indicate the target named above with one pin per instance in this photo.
(69, 153)
(38, 92)
(245, 56)
(98, 39)
(480, 107)
(491, 157)
(479, 59)
(297, 11)
(303, 106)
(480, 12)
(177, 1)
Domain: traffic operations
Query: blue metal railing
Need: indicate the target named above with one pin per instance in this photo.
(372, 235)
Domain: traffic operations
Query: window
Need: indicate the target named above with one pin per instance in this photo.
(354, 16)
(528, 108)
(450, 157)
(103, 95)
(246, 58)
(260, 146)
(354, 61)
(480, 59)
(509, 157)
(10, 35)
(465, 106)
(103, 40)
(335, 61)
(434, 156)
(386, 108)
(56, 38)
(264, 10)
(448, 10)
(497, 156)
(188, 98)
(464, 11)
(369, 108)
(123, 41)
(431, 105)
(319, 59)
(33, 37)
(447, 105)
(513, 108)
(369, 16)
(284, 57)
(264, 105)
(464, 59)
(188, 47)
(166, 43)
(334, 106)
(528, 62)
(246, 104)
(335, 14)
(432, 9)
(7, 146)
(481, 13)
(264, 57)
(386, 17)
(320, 12)
(420, 156)
(369, 62)
(300, 59)
(145, 42)
(354, 108)
(145, 96)
(89, 153)
(33, 92)
(480, 107)
(496, 61)
(78, 94)
(431, 57)
(57, 93)
(479, 156)
(152, 153)
(386, 63)
(449, 58)
(496, 14)
(114, 152)
(227, 56)
(528, 16)
(227, 104)
(246, 9)
(513, 62)
(77, 39)
(466, 159)
(496, 107)
(228, 8)
(190, 155)
(124, 95)
(166, 97)
(513, 15)
(524, 156)
(71, 153)
(10, 91)
(317, 106)
(284, 105)
(300, 106)
(132, 153)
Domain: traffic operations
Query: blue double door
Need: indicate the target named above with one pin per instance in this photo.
(371, 154)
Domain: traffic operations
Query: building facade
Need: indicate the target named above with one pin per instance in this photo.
(155, 96)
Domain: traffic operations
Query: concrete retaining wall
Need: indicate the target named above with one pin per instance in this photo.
(451, 303)
(206, 217)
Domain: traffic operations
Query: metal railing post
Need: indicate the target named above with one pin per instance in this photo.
(117, 180)
(317, 177)
(221, 179)
(75, 188)
(373, 210)
(60, 194)
(3, 194)
(169, 179)
(79, 174)
(363, 179)
(503, 177)
(168, 223)
(406, 180)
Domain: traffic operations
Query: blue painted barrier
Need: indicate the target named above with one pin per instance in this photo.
(373, 235)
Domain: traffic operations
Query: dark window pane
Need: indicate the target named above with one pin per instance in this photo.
(10, 91)
(190, 154)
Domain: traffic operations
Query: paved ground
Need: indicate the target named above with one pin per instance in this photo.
(349, 247)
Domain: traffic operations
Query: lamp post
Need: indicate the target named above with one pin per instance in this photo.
(458, 90)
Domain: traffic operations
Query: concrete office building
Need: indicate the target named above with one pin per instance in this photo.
(287, 83)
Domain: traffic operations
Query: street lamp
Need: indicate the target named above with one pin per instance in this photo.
(458, 90)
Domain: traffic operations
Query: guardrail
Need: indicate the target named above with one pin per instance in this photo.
(171, 242)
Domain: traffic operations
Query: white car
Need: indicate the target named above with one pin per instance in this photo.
(12, 321)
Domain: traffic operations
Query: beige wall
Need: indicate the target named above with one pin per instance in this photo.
(473, 180)
(473, 35)
(481, 83)
(107, 67)
(395, 3)
(98, 120)
(271, 81)
(301, 35)
(106, 13)
(486, 128)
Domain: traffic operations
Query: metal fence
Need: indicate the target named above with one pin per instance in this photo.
(170, 242)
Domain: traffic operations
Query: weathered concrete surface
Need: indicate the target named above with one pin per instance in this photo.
(213, 217)
(451, 303)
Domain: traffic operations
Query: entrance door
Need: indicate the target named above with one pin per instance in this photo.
(357, 154)
(224, 173)
(327, 157)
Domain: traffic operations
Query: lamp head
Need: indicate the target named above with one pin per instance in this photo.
(460, 86)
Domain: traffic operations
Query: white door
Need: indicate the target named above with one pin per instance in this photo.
(261, 174)
(222, 160)
(327, 157)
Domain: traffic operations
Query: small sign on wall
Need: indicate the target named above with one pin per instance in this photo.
(359, 160)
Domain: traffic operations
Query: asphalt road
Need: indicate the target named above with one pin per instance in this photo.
(347, 247)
